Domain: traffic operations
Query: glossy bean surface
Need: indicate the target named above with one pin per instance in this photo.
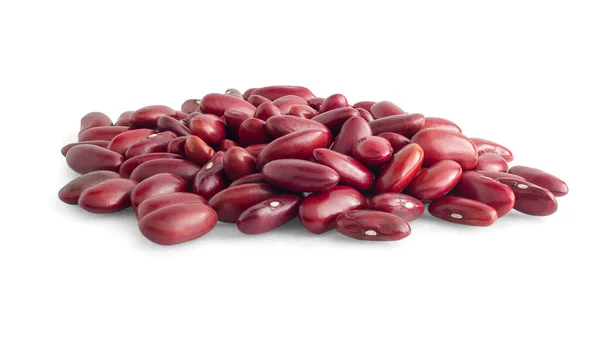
(253, 131)
(268, 214)
(102, 133)
(178, 223)
(372, 225)
(238, 163)
(463, 211)
(257, 100)
(302, 111)
(211, 178)
(233, 201)
(249, 179)
(123, 119)
(364, 114)
(497, 175)
(151, 204)
(179, 167)
(543, 179)
(439, 144)
(350, 170)
(318, 211)
(334, 101)
(162, 183)
(156, 142)
(217, 104)
(401, 170)
(385, 109)
(485, 146)
(197, 151)
(168, 123)
(94, 119)
(491, 162)
(436, 181)
(226, 144)
(280, 126)
(277, 91)
(190, 105)
(210, 128)
(88, 158)
(124, 140)
(406, 125)
(297, 145)
(286, 102)
(130, 164)
(364, 105)
(372, 151)
(397, 140)
(353, 131)
(473, 185)
(297, 175)
(315, 102)
(440, 123)
(147, 117)
(71, 192)
(177, 146)
(255, 149)
(402, 205)
(530, 198)
(334, 119)
(267, 110)
(108, 196)
(101, 143)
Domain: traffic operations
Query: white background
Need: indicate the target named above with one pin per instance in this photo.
(522, 73)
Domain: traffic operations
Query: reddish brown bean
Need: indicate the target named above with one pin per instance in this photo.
(364, 105)
(101, 143)
(279, 126)
(179, 167)
(332, 102)
(178, 223)
(108, 196)
(148, 116)
(334, 119)
(248, 93)
(302, 111)
(154, 143)
(297, 175)
(473, 185)
(249, 179)
(364, 114)
(485, 146)
(401, 170)
(163, 200)
(315, 102)
(372, 151)
(385, 109)
(102, 133)
(211, 178)
(131, 164)
(210, 128)
(257, 100)
(440, 123)
(441, 144)
(88, 158)
(124, 140)
(318, 211)
(253, 131)
(233, 120)
(162, 183)
(167, 123)
(238, 162)
(372, 226)
(197, 151)
(406, 125)
(498, 175)
(397, 141)
(402, 205)
(256, 149)
(284, 103)
(123, 119)
(216, 104)
(436, 181)
(266, 110)
(542, 179)
(71, 192)
(353, 131)
(297, 145)
(491, 162)
(177, 146)
(94, 119)
(350, 170)
(268, 214)
(277, 91)
(226, 144)
(463, 211)
(233, 201)
(530, 198)
(190, 105)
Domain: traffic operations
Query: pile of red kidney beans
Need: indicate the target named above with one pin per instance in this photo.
(261, 158)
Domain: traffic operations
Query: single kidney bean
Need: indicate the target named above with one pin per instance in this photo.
(132, 163)
(234, 93)
(268, 214)
(284, 103)
(334, 101)
(162, 183)
(246, 95)
(233, 120)
(385, 109)
(188, 119)
(315, 102)
(181, 116)
(297, 175)
(334, 119)
(238, 162)
(491, 162)
(318, 211)
(277, 91)
(530, 198)
(476, 186)
(485, 146)
(353, 130)
(266, 110)
(406, 125)
(279, 126)
(257, 100)
(397, 140)
(497, 175)
(256, 149)
(102, 133)
(178, 223)
(163, 200)
(372, 151)
(177, 145)
(216, 104)
(441, 144)
(226, 144)
(350, 170)
(372, 225)
(249, 179)
(147, 117)
(179, 167)
(211, 178)
(402, 205)
(101, 143)
(154, 143)
(542, 179)
(297, 145)
(88, 158)
(190, 105)
(364, 114)
(71, 192)
(209, 128)
(94, 119)
(108, 196)
(123, 119)
(124, 140)
(440, 123)
(231, 202)
(253, 131)
(197, 151)
(436, 181)
(401, 170)
(463, 211)
(302, 111)
(167, 123)
(364, 105)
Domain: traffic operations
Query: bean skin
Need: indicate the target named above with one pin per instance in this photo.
(88, 158)
(238, 163)
(148, 116)
(233, 120)
(266, 110)
(364, 114)
(179, 167)
(234, 93)
(94, 119)
(102, 133)
(268, 214)
(315, 102)
(163, 200)
(364, 105)
(71, 192)
(530, 198)
(498, 175)
(440, 123)
(190, 105)
(297, 175)
(302, 111)
(297, 145)
(123, 119)
(162, 183)
(277, 91)
(188, 119)
(131, 164)
(211, 178)
(108, 196)
(153, 143)
(257, 100)
(401, 170)
(284, 103)
(463, 211)
(441, 144)
(485, 146)
(372, 226)
(197, 151)
(167, 123)
(473, 185)
(280, 126)
(318, 211)
(397, 141)
(181, 116)
(233, 201)
(217, 104)
(211, 129)
(226, 144)
(246, 95)
(249, 179)
(353, 130)
(124, 140)
(350, 170)
(372, 151)
(435, 182)
(101, 143)
(177, 146)
(332, 102)
(176, 224)
(253, 131)
(491, 162)
(406, 125)
(385, 109)
(402, 205)
(542, 179)
(255, 149)
(334, 119)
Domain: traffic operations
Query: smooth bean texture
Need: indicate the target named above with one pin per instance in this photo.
(297, 145)
(233, 201)
(334, 119)
(147, 117)
(101, 143)
(318, 211)
(372, 226)
(497, 175)
(217, 104)
(435, 182)
(364, 114)
(486, 146)
(257, 100)
(286, 102)
(530, 198)
(108, 196)
(253, 131)
(315, 102)
(197, 151)
(178, 223)
(255, 149)
(473, 185)
(372, 151)
(249, 179)
(406, 125)
(131, 164)
(94, 119)
(297, 175)
(268, 214)
(71, 192)
(156, 142)
(367, 105)
(226, 144)
(491, 162)
(439, 144)
(101, 133)
(179, 167)
(352, 132)
(277, 91)
(302, 111)
(402, 205)
(233, 120)
(385, 109)
(440, 123)
(88, 158)
(350, 170)
(190, 105)
(463, 211)
(211, 178)
(124, 140)
(238, 163)
(267, 110)
(177, 146)
(123, 119)
(162, 183)
(211, 129)
(332, 102)
(280, 126)
(401, 170)
(168, 123)
(543, 179)
(397, 140)
(159, 201)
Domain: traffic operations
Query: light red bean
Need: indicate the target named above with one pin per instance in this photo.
(256, 149)
(364, 114)
(233, 201)
(440, 123)
(101, 143)
(402, 205)
(178, 223)
(372, 226)
(302, 111)
(108, 196)
(497, 175)
(211, 178)
(315, 102)
(226, 144)
(233, 120)
(318, 211)
(463, 211)
(435, 182)
(246, 95)
(491, 162)
(441, 144)
(257, 100)
(401, 170)
(332, 102)
(364, 105)
(542, 179)
(350, 170)
(277, 91)
(284, 103)
(71, 192)
(94, 119)
(217, 104)
(297, 175)
(123, 119)
(148, 116)
(88, 158)
(530, 198)
(234, 93)
(279, 126)
(266, 110)
(249, 179)
(268, 214)
(385, 109)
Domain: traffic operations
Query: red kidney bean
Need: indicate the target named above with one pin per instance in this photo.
(238, 162)
(334, 119)
(163, 200)
(268, 214)
(257, 100)
(372, 226)
(94, 119)
(485, 146)
(542, 179)
(364, 114)
(406, 125)
(397, 141)
(71, 192)
(154, 143)
(108, 196)
(233, 120)
(284, 103)
(249, 179)
(440, 123)
(179, 167)
(176, 224)
(167, 123)
(436, 181)
(353, 130)
(297, 145)
(216, 104)
(147, 117)
(373, 151)
(491, 162)
(463, 211)
(188, 119)
(197, 151)
(385, 109)
(402, 205)
(181, 116)
(162, 183)
(364, 105)
(334, 101)
(101, 143)
(350, 170)
(279, 126)
(190, 105)
(401, 170)
(476, 186)
(132, 163)
(253, 131)
(211, 178)
(102, 133)
(266, 110)
(256, 149)
(315, 102)
(230, 203)
(277, 91)
(246, 95)
(318, 211)
(226, 144)
(124, 140)
(530, 198)
(88, 158)
(302, 111)
(234, 93)
(209, 128)
(441, 144)
(498, 175)
(123, 119)
(177, 146)
(297, 175)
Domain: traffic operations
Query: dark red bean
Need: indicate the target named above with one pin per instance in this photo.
(123, 119)
(402, 205)
(315, 102)
(542, 179)
(211, 178)
(268, 214)
(210, 128)
(248, 93)
(364, 114)
(353, 131)
(233, 201)
(197, 151)
(297, 145)
(279, 126)
(181, 116)
(102, 133)
(436, 181)
(88, 158)
(266, 110)
(401, 170)
(190, 105)
(372, 226)
(485, 146)
(364, 105)
(373, 151)
(71, 192)
(257, 100)
(131, 164)
(234, 93)
(178, 223)
(253, 131)
(249, 179)
(216, 104)
(385, 109)
(350, 170)
(108, 196)
(154, 143)
(297, 175)
(167, 123)
(124, 140)
(463, 211)
(163, 200)
(94, 119)
(334, 119)
(491, 162)
(177, 145)
(302, 111)
(238, 162)
(397, 141)
(233, 120)
(277, 91)
(498, 175)
(101, 143)
(530, 198)
(188, 119)
(318, 211)
(406, 125)
(179, 167)
(473, 185)
(256, 149)
(440, 123)
(226, 144)
(162, 183)
(148, 116)
(284, 103)
(441, 144)
(332, 102)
